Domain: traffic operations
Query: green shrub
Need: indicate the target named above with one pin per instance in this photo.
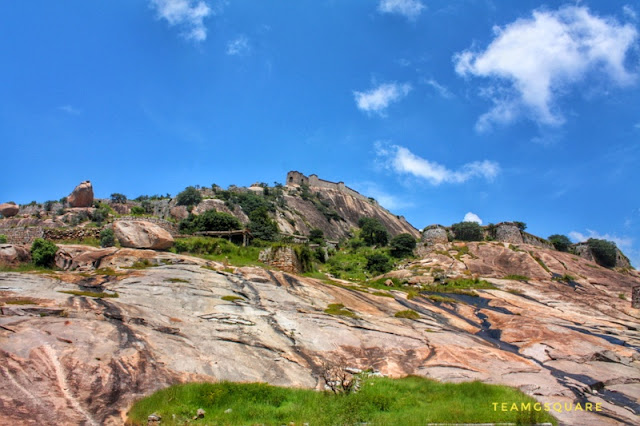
(189, 197)
(373, 232)
(210, 220)
(521, 225)
(305, 256)
(118, 198)
(467, 231)
(402, 245)
(43, 252)
(262, 226)
(107, 238)
(3, 239)
(378, 263)
(138, 210)
(560, 242)
(316, 236)
(604, 252)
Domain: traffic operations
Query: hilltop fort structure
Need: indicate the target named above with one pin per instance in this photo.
(295, 178)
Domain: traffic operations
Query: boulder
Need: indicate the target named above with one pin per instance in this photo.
(142, 234)
(82, 195)
(11, 254)
(435, 234)
(9, 209)
(179, 212)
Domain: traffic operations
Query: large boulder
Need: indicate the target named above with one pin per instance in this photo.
(142, 234)
(13, 254)
(82, 195)
(435, 234)
(9, 209)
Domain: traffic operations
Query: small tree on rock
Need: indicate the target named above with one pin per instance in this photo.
(560, 242)
(402, 245)
(467, 231)
(189, 197)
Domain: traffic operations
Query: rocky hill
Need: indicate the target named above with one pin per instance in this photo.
(561, 332)
(81, 341)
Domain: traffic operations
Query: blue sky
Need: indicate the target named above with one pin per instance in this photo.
(505, 110)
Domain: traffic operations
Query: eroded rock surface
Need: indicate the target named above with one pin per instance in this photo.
(82, 195)
(142, 234)
(74, 359)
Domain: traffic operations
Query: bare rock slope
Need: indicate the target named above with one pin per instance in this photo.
(69, 359)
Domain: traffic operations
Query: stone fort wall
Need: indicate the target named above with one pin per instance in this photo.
(295, 178)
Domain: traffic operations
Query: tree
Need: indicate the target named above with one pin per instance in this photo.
(467, 231)
(261, 225)
(189, 197)
(373, 232)
(137, 210)
(605, 252)
(521, 225)
(107, 238)
(210, 220)
(378, 263)
(316, 236)
(560, 242)
(402, 245)
(118, 198)
(43, 252)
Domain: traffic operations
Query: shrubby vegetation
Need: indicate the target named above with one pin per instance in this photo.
(373, 232)
(402, 245)
(560, 242)
(521, 225)
(378, 263)
(118, 198)
(189, 197)
(43, 252)
(3, 239)
(605, 252)
(138, 210)
(467, 231)
(210, 220)
(107, 238)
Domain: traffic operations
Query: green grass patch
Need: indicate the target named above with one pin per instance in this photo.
(381, 401)
(516, 277)
(95, 294)
(220, 250)
(232, 298)
(461, 286)
(339, 309)
(383, 294)
(141, 264)
(109, 272)
(540, 262)
(441, 299)
(622, 296)
(176, 280)
(20, 301)
(24, 267)
(565, 278)
(408, 314)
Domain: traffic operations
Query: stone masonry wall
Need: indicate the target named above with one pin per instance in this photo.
(22, 235)
(283, 258)
(297, 178)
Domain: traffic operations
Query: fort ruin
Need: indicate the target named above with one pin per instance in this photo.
(295, 178)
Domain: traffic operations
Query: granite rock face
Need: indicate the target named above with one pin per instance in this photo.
(142, 234)
(79, 360)
(9, 210)
(82, 195)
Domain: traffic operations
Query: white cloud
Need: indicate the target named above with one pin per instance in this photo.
(408, 8)
(378, 99)
(621, 242)
(188, 14)
(442, 91)
(637, 125)
(70, 109)
(472, 217)
(630, 12)
(238, 46)
(533, 61)
(401, 160)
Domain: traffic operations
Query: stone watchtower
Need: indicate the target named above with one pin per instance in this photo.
(295, 178)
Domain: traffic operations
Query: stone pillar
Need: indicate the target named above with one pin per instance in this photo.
(635, 297)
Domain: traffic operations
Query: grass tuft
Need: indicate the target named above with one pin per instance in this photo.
(231, 298)
(408, 314)
(516, 277)
(96, 294)
(339, 309)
